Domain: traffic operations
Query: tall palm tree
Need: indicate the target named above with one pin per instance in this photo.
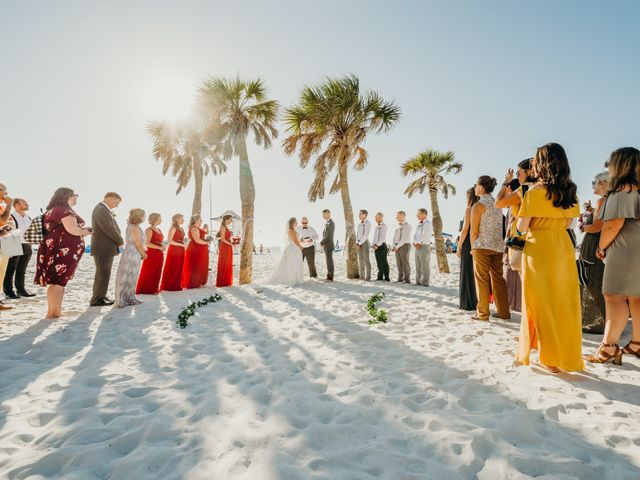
(433, 165)
(182, 150)
(330, 123)
(231, 109)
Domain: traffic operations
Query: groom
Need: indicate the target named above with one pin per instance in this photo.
(327, 242)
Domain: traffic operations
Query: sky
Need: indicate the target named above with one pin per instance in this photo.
(491, 80)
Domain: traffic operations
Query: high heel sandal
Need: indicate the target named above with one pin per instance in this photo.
(603, 357)
(629, 351)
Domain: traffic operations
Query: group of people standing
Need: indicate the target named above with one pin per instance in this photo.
(537, 243)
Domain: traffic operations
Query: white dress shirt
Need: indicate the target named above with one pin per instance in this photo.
(402, 235)
(380, 234)
(307, 235)
(363, 231)
(423, 233)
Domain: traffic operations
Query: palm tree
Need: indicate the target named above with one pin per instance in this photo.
(231, 109)
(182, 150)
(433, 165)
(330, 123)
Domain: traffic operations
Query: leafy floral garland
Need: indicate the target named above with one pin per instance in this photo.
(378, 316)
(190, 310)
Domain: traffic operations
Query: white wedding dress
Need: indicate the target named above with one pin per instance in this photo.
(290, 268)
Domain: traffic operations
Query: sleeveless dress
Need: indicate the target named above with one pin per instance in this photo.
(196, 262)
(59, 252)
(467, 285)
(290, 267)
(551, 295)
(174, 264)
(128, 270)
(149, 280)
(224, 277)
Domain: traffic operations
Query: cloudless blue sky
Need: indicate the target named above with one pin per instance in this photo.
(491, 80)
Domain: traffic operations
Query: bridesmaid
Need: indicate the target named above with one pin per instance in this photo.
(129, 265)
(172, 273)
(551, 320)
(196, 263)
(225, 254)
(151, 271)
(467, 284)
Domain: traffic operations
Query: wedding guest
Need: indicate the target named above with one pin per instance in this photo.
(422, 244)
(487, 246)
(593, 266)
(61, 249)
(224, 276)
(129, 266)
(5, 215)
(307, 236)
(401, 247)
(619, 247)
(105, 242)
(363, 246)
(380, 247)
(551, 295)
(327, 242)
(17, 266)
(151, 271)
(196, 262)
(174, 264)
(467, 284)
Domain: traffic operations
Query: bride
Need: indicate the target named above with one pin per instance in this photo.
(290, 267)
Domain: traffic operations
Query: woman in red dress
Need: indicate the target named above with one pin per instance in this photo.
(172, 273)
(225, 254)
(61, 249)
(149, 279)
(196, 262)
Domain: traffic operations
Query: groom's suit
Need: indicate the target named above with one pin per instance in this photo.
(328, 245)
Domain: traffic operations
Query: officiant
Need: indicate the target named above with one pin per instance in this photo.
(308, 236)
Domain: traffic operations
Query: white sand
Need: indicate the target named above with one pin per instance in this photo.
(292, 383)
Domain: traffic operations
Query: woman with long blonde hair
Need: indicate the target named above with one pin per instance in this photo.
(196, 263)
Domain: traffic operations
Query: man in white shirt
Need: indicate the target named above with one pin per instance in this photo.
(362, 244)
(307, 236)
(401, 247)
(5, 226)
(422, 244)
(380, 247)
(17, 266)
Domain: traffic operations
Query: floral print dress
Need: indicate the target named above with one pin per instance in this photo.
(59, 252)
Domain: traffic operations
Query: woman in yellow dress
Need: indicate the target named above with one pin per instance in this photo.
(551, 317)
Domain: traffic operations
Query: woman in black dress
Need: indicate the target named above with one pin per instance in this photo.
(467, 287)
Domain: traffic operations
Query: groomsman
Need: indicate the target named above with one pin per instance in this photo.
(422, 244)
(307, 236)
(401, 247)
(363, 246)
(380, 247)
(105, 240)
(17, 266)
(327, 242)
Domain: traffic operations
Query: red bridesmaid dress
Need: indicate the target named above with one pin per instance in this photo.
(149, 279)
(172, 273)
(225, 262)
(196, 263)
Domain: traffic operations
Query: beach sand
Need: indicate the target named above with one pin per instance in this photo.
(292, 383)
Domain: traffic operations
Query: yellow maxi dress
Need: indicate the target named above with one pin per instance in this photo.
(551, 314)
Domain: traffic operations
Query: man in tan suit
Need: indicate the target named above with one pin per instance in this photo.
(105, 241)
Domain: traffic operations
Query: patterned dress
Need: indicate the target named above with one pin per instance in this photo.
(128, 270)
(59, 252)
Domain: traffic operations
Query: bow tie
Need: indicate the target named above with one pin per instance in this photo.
(304, 228)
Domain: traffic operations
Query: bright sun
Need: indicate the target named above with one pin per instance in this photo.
(167, 96)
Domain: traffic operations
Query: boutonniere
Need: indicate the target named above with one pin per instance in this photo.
(113, 214)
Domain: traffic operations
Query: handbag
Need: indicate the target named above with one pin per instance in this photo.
(515, 259)
(11, 245)
(35, 233)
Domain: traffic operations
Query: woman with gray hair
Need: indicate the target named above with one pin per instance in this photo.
(593, 305)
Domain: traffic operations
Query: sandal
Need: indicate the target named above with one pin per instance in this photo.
(603, 357)
(630, 351)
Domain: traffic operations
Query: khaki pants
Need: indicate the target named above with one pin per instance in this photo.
(4, 261)
(487, 269)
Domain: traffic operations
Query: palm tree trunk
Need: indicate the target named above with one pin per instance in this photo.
(247, 198)
(196, 209)
(441, 255)
(350, 236)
